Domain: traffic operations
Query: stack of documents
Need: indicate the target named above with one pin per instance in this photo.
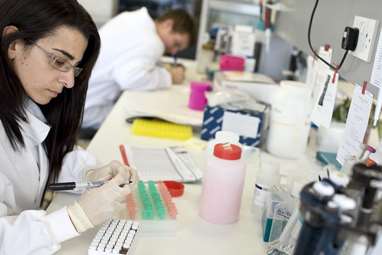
(170, 105)
(260, 86)
(236, 76)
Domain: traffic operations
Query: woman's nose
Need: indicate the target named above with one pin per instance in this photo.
(67, 79)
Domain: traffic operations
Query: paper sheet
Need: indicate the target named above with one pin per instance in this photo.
(157, 168)
(376, 74)
(243, 41)
(356, 125)
(317, 73)
(243, 125)
(376, 78)
(325, 99)
(158, 164)
(378, 106)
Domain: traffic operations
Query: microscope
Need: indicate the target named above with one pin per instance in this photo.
(340, 218)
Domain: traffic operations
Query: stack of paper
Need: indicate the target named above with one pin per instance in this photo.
(170, 105)
(260, 86)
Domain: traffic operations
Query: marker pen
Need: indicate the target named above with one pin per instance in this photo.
(74, 185)
(79, 185)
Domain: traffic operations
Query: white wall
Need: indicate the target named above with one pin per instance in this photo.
(328, 27)
(100, 10)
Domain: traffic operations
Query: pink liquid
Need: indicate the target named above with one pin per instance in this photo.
(222, 191)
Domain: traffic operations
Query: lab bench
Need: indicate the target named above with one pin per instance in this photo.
(193, 235)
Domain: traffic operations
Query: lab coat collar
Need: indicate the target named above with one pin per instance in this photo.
(151, 23)
(147, 17)
(35, 129)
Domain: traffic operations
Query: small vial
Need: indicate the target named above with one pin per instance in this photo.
(365, 156)
(268, 176)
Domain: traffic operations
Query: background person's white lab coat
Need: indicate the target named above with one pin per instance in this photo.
(130, 52)
(24, 229)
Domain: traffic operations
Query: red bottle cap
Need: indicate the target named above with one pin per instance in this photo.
(370, 162)
(175, 188)
(227, 151)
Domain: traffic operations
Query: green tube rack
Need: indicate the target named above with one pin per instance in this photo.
(152, 205)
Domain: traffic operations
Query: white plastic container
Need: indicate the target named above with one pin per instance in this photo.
(329, 139)
(289, 122)
(223, 184)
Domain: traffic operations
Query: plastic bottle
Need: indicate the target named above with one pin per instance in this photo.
(367, 153)
(222, 137)
(375, 158)
(223, 184)
(198, 100)
(289, 120)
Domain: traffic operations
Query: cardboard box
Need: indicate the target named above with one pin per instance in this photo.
(248, 121)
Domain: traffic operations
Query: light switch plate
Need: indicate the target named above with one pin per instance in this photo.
(366, 38)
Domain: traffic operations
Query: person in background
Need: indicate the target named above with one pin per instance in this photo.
(48, 49)
(132, 45)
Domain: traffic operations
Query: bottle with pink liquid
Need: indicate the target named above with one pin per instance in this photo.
(223, 184)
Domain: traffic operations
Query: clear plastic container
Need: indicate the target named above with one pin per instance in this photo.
(268, 175)
(347, 167)
(276, 215)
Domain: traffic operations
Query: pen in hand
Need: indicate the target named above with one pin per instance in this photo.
(78, 185)
(88, 185)
(175, 59)
(74, 185)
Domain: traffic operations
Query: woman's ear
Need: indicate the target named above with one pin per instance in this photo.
(8, 30)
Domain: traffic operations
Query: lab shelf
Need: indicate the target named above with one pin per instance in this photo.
(247, 8)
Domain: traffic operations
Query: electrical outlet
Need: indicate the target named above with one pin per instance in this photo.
(367, 33)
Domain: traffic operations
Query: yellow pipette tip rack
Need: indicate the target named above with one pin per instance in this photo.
(161, 129)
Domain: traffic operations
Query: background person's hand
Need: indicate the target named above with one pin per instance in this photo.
(177, 73)
(97, 205)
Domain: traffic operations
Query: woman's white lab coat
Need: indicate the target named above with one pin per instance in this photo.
(24, 228)
(129, 56)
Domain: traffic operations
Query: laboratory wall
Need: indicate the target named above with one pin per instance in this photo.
(101, 11)
(275, 59)
(331, 17)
